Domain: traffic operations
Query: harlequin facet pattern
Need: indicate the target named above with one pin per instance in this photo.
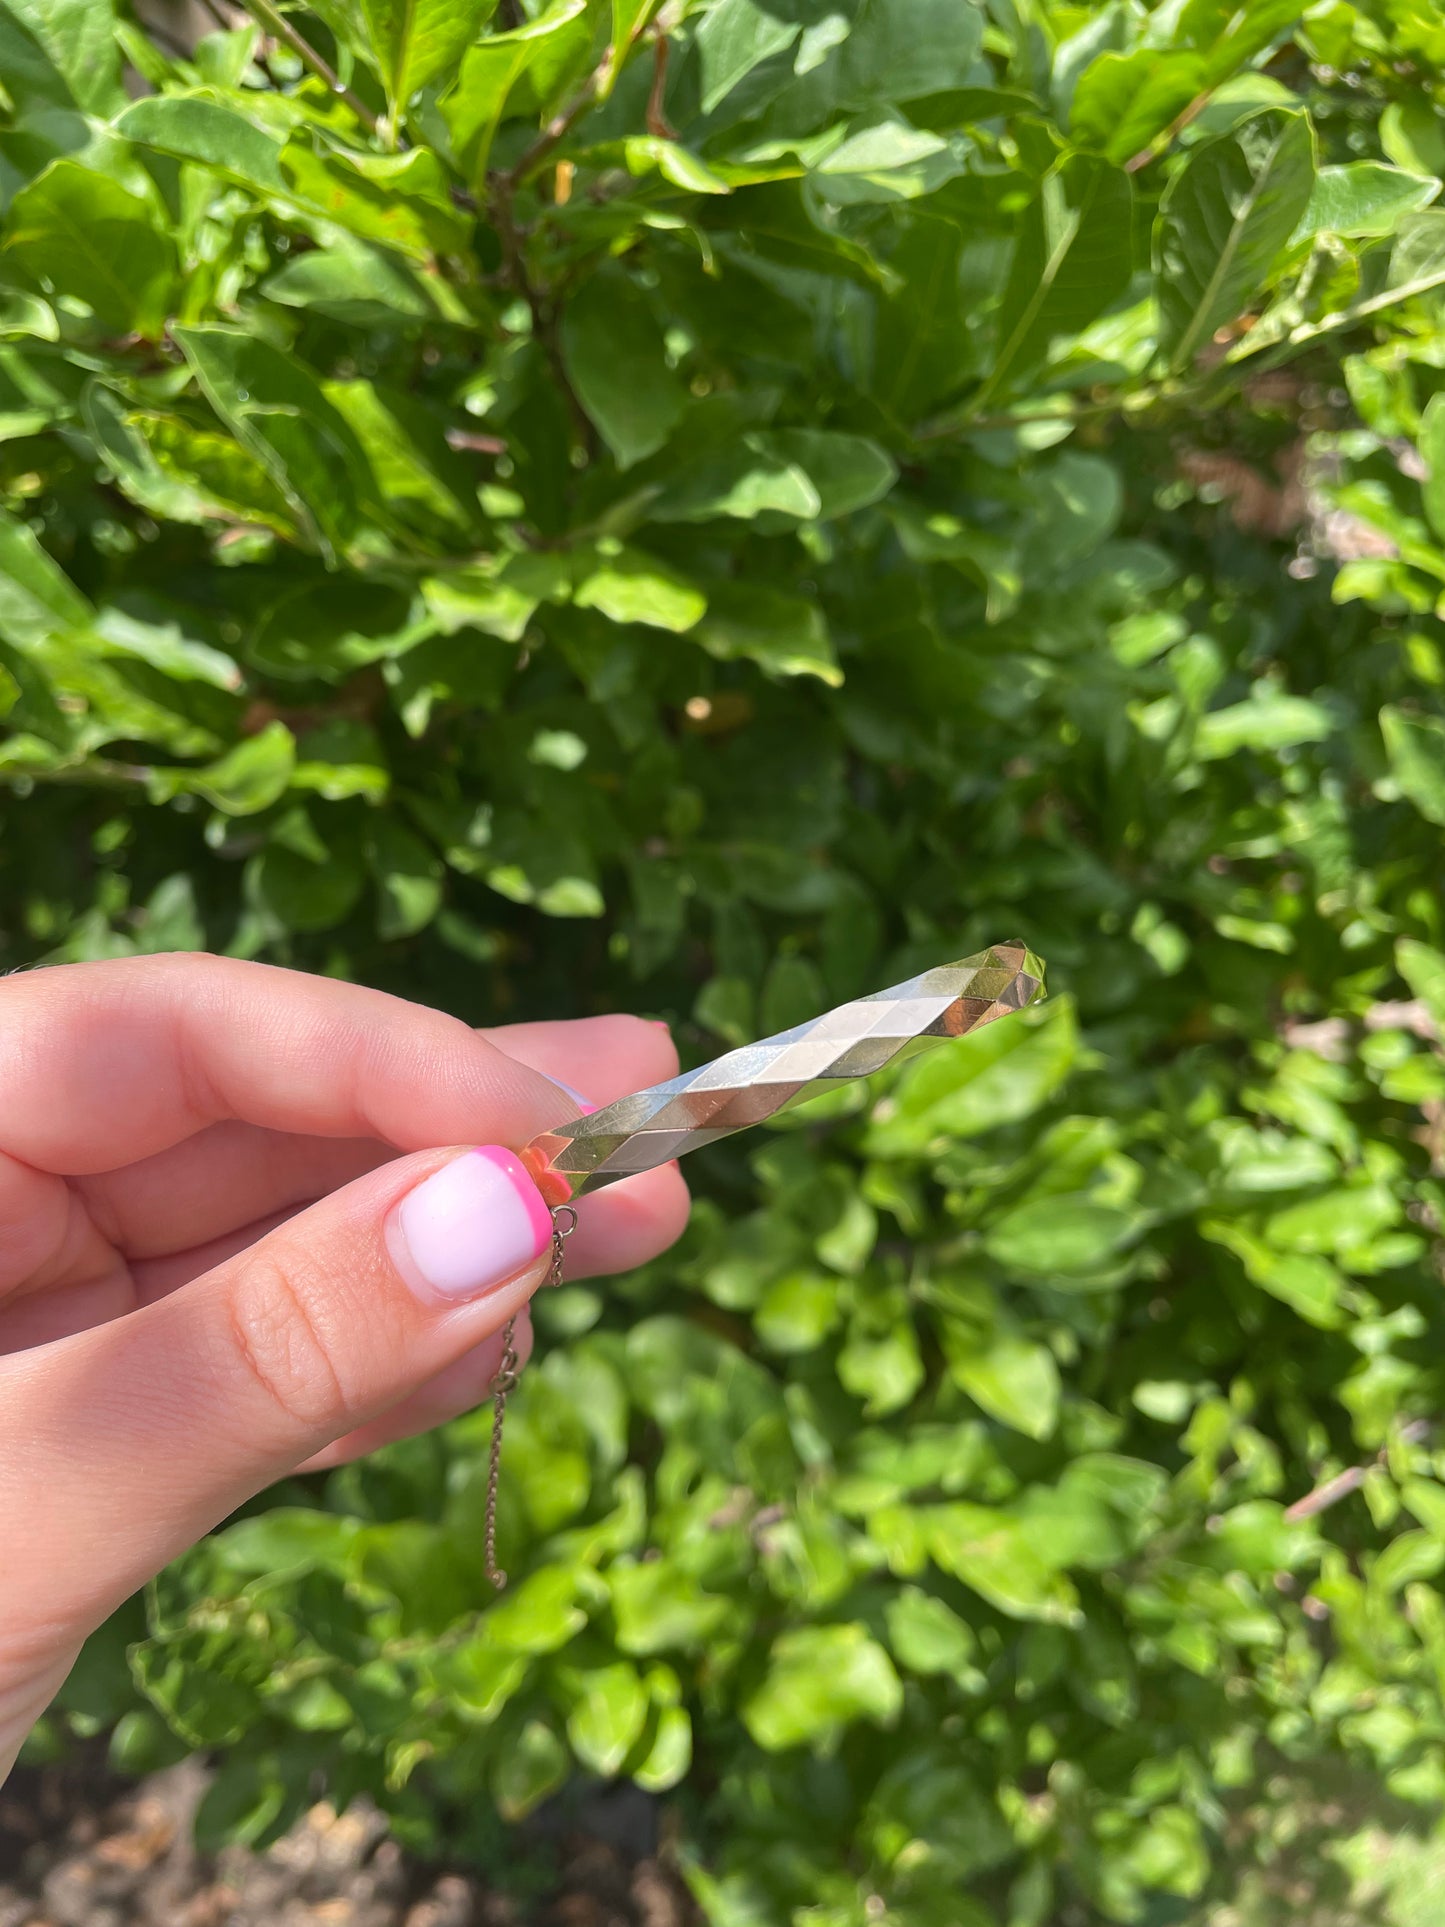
(744, 1087)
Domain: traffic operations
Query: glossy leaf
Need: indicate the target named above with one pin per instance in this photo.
(414, 41)
(1073, 256)
(1223, 219)
(86, 236)
(613, 350)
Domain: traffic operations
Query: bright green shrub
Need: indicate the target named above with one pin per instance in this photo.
(856, 486)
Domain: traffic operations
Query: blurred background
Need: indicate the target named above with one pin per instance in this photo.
(707, 510)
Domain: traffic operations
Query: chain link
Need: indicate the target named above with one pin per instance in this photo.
(564, 1223)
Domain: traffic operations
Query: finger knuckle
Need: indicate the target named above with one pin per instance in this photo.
(283, 1343)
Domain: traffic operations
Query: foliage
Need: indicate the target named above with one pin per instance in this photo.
(709, 510)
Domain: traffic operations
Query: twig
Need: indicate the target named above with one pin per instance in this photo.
(1328, 1494)
(514, 270)
(1162, 141)
(942, 427)
(1331, 1491)
(562, 123)
(657, 121)
(280, 28)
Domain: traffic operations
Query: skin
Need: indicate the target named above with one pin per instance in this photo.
(198, 1160)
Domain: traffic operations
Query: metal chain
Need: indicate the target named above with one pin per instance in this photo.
(564, 1223)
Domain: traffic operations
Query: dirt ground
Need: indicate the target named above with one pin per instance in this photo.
(79, 1849)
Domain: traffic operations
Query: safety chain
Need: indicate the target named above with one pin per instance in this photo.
(564, 1223)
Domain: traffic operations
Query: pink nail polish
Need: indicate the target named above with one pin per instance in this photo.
(659, 1023)
(470, 1226)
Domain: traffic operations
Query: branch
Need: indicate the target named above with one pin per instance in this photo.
(1119, 403)
(1331, 1491)
(657, 121)
(1161, 141)
(562, 123)
(280, 28)
(514, 272)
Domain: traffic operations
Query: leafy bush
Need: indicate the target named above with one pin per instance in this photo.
(709, 509)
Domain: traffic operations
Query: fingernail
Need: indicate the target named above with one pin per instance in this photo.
(471, 1226)
(659, 1023)
(585, 1106)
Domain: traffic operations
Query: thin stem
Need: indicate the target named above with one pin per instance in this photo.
(1116, 404)
(561, 124)
(280, 28)
(544, 329)
(1162, 141)
(657, 121)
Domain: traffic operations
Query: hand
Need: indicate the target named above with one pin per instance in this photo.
(215, 1268)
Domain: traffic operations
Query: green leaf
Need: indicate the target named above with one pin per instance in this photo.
(659, 1606)
(993, 1076)
(786, 635)
(490, 70)
(415, 41)
(1072, 258)
(809, 474)
(86, 236)
(422, 482)
(1222, 221)
(613, 351)
(408, 879)
(79, 36)
(1363, 199)
(668, 1758)
(735, 37)
(1310, 1285)
(820, 1679)
(1431, 440)
(527, 1770)
(286, 1538)
(625, 585)
(888, 161)
(402, 201)
(643, 154)
(1123, 100)
(1269, 720)
(1424, 971)
(1013, 1379)
(927, 1636)
(798, 1311)
(995, 1556)
(199, 127)
(355, 282)
(1415, 745)
(246, 780)
(166, 647)
(241, 1804)
(1074, 1234)
(607, 1716)
(543, 1613)
(884, 1369)
(277, 410)
(37, 598)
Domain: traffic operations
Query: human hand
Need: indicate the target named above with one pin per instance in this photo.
(216, 1268)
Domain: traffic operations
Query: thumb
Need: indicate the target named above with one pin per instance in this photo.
(123, 1444)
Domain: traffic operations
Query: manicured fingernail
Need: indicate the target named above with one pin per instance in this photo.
(471, 1226)
(585, 1106)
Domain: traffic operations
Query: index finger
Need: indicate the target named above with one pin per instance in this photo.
(105, 1063)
